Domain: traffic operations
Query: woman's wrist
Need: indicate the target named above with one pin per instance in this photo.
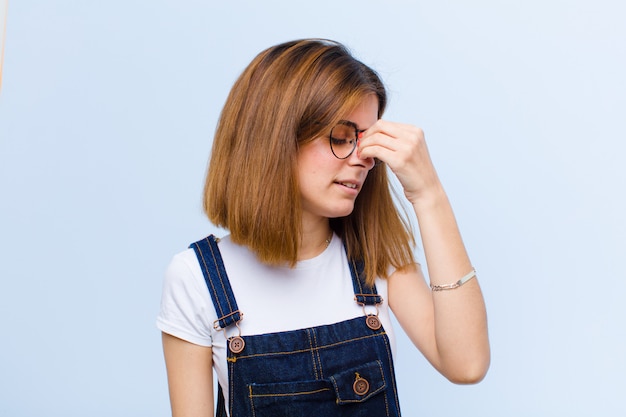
(434, 198)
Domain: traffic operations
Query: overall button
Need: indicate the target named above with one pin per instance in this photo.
(360, 386)
(236, 344)
(373, 322)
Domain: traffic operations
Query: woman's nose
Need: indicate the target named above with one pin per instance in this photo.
(356, 159)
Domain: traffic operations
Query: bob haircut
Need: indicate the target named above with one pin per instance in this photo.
(291, 94)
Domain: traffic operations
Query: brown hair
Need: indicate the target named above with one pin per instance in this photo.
(290, 94)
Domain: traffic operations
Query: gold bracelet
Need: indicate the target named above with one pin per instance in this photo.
(455, 285)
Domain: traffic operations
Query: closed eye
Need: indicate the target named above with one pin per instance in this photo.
(337, 141)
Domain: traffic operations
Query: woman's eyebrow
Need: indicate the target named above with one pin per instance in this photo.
(356, 126)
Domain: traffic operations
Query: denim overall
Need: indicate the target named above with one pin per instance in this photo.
(341, 369)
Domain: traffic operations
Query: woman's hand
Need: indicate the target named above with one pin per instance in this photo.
(449, 327)
(403, 148)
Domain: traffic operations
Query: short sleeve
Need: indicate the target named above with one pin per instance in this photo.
(186, 308)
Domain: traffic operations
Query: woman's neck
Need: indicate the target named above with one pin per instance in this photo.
(316, 237)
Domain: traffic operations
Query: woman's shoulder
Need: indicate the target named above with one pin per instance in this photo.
(186, 310)
(183, 267)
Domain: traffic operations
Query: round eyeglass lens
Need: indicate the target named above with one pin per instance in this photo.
(343, 139)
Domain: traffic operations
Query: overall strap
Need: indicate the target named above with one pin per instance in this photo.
(212, 266)
(363, 294)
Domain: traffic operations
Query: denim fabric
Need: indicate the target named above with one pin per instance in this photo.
(212, 266)
(341, 369)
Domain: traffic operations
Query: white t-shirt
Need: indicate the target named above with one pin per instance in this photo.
(316, 292)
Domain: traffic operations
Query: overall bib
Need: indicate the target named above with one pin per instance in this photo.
(341, 369)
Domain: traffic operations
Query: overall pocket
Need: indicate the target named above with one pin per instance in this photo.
(355, 392)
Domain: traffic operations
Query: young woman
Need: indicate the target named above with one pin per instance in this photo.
(317, 252)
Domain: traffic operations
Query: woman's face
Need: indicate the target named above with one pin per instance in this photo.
(328, 185)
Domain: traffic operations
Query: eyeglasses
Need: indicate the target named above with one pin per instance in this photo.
(343, 139)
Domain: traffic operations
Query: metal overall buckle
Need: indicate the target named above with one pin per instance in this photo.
(235, 343)
(371, 320)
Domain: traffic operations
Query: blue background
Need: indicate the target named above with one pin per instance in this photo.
(107, 111)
